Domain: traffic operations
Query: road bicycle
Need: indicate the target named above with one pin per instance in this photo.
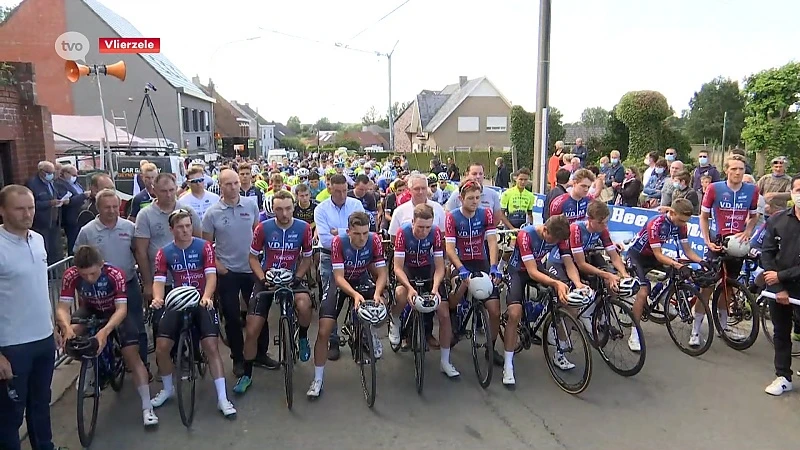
(96, 373)
(471, 321)
(190, 365)
(287, 338)
(412, 325)
(741, 328)
(358, 336)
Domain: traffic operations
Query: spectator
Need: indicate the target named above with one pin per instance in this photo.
(562, 179)
(68, 184)
(27, 341)
(580, 151)
(616, 173)
(604, 164)
(47, 220)
(681, 189)
(704, 168)
(749, 179)
(139, 182)
(650, 162)
(671, 155)
(559, 153)
(748, 169)
(666, 193)
(775, 186)
(653, 189)
(453, 172)
(575, 164)
(780, 257)
(437, 167)
(566, 161)
(705, 181)
(502, 178)
(631, 188)
(553, 164)
(145, 197)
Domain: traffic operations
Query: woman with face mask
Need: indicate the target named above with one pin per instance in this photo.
(652, 190)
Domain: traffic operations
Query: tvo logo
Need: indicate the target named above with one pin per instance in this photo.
(72, 46)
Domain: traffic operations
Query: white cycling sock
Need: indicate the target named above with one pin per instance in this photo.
(634, 333)
(445, 355)
(318, 371)
(222, 393)
(509, 360)
(698, 322)
(166, 380)
(144, 394)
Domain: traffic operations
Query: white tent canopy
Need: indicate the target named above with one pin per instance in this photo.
(88, 130)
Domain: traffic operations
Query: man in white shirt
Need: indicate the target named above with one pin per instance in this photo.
(650, 160)
(404, 213)
(198, 198)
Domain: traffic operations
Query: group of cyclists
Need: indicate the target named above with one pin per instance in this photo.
(465, 258)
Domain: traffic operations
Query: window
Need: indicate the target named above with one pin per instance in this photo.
(185, 119)
(466, 124)
(195, 120)
(462, 149)
(496, 123)
(203, 120)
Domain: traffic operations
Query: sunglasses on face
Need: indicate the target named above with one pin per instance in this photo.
(196, 180)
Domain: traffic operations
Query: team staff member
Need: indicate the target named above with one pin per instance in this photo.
(780, 257)
(112, 236)
(224, 224)
(517, 202)
(490, 199)
(331, 217)
(27, 341)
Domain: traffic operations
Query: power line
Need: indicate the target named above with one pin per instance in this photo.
(379, 20)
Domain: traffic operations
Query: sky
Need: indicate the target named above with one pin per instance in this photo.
(599, 49)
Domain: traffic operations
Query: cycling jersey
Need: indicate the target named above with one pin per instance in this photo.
(200, 205)
(188, 266)
(282, 248)
(316, 190)
(354, 261)
(418, 252)
(580, 239)
(370, 204)
(441, 196)
(469, 233)
(657, 231)
(730, 209)
(518, 203)
(757, 241)
(529, 246)
(573, 210)
(102, 296)
(306, 214)
(323, 195)
(255, 193)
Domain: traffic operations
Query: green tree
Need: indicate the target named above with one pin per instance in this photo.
(594, 117)
(616, 137)
(371, 117)
(707, 109)
(521, 134)
(292, 142)
(555, 127)
(324, 124)
(4, 12)
(643, 112)
(350, 143)
(294, 124)
(772, 98)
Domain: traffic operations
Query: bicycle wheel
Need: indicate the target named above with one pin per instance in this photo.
(418, 344)
(573, 342)
(88, 388)
(185, 382)
(741, 328)
(118, 368)
(681, 322)
(286, 358)
(481, 332)
(608, 327)
(223, 331)
(366, 363)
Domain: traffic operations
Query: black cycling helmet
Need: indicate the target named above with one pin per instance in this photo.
(82, 347)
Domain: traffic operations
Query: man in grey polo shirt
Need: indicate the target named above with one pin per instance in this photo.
(113, 237)
(229, 224)
(152, 229)
(27, 344)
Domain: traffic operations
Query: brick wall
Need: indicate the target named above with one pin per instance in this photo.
(402, 143)
(29, 35)
(25, 124)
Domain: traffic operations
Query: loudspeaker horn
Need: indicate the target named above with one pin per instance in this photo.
(116, 70)
(74, 71)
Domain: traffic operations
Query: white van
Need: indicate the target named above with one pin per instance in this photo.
(277, 154)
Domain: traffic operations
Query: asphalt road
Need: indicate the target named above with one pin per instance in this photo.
(715, 401)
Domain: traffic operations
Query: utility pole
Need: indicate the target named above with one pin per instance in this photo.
(542, 91)
(724, 128)
(391, 105)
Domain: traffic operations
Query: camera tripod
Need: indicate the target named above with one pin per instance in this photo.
(156, 123)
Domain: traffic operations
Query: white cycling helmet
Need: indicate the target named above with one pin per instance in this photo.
(372, 312)
(268, 206)
(480, 286)
(443, 176)
(302, 172)
(278, 277)
(197, 162)
(255, 170)
(426, 303)
(579, 298)
(628, 287)
(736, 248)
(182, 298)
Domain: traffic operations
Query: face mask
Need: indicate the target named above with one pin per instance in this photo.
(670, 157)
(602, 165)
(647, 161)
(49, 176)
(703, 161)
(659, 170)
(614, 160)
(72, 179)
(796, 199)
(678, 185)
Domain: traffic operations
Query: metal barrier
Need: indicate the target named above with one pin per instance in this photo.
(55, 275)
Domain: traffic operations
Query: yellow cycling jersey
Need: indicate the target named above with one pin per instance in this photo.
(518, 203)
(323, 195)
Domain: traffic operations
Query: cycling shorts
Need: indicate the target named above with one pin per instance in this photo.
(641, 265)
(332, 297)
(127, 331)
(516, 286)
(262, 299)
(205, 321)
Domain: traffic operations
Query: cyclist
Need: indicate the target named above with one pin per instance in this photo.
(315, 184)
(733, 205)
(362, 193)
(645, 254)
(575, 203)
(190, 262)
(419, 254)
(533, 243)
(102, 290)
(354, 258)
(517, 202)
(247, 188)
(444, 190)
(286, 243)
(467, 229)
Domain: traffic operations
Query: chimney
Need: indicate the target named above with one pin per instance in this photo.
(211, 86)
(196, 80)
(462, 81)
